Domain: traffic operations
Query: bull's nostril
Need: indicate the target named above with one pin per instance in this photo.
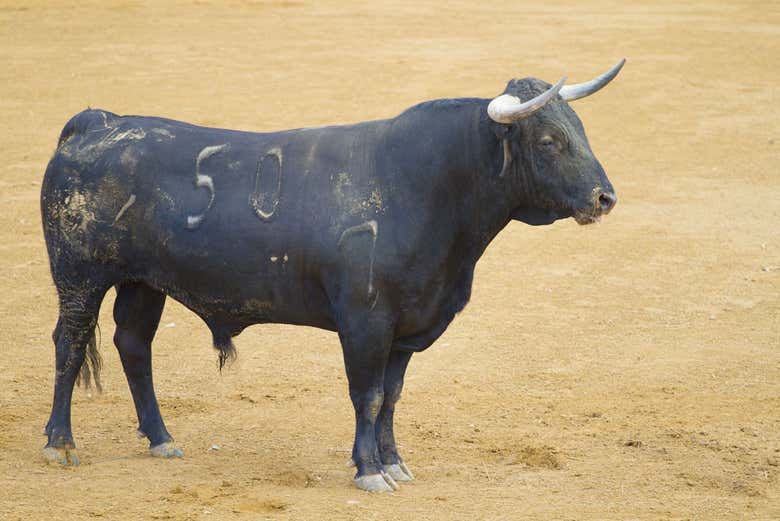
(607, 201)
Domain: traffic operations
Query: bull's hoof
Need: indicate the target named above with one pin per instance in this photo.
(166, 450)
(399, 472)
(64, 456)
(376, 483)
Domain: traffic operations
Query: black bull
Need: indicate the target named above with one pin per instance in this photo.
(371, 230)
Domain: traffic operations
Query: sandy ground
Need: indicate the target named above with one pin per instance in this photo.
(620, 371)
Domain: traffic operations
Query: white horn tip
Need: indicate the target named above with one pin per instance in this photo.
(581, 90)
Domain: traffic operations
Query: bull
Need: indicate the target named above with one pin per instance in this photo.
(371, 230)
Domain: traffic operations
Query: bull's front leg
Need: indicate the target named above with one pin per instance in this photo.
(392, 463)
(366, 344)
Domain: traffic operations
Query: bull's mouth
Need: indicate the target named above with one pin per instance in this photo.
(543, 216)
(588, 217)
(539, 216)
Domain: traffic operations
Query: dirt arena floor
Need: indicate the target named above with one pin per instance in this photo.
(629, 370)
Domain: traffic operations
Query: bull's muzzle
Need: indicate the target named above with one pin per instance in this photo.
(602, 204)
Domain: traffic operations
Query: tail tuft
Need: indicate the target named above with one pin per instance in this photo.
(90, 369)
(227, 354)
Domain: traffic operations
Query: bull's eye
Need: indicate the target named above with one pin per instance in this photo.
(547, 142)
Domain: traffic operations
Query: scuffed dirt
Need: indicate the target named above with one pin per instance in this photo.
(627, 370)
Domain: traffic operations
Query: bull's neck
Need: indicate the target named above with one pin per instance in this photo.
(474, 159)
(496, 198)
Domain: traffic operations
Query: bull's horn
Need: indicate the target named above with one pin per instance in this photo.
(508, 109)
(580, 90)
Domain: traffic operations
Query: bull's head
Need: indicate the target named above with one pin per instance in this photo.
(547, 158)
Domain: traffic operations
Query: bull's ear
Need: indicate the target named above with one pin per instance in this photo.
(537, 216)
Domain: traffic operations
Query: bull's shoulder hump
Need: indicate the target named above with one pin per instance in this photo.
(444, 104)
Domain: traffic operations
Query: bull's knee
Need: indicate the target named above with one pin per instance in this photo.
(393, 394)
(368, 404)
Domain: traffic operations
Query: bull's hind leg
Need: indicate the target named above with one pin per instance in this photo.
(137, 312)
(392, 463)
(75, 328)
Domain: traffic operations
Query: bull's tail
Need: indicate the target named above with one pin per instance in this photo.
(90, 369)
(84, 120)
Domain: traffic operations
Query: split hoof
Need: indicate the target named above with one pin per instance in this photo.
(61, 455)
(166, 450)
(399, 472)
(376, 483)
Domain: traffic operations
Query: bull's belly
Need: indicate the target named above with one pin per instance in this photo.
(230, 302)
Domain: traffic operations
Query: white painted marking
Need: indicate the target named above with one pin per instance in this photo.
(162, 132)
(116, 135)
(255, 198)
(373, 227)
(204, 181)
(124, 208)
